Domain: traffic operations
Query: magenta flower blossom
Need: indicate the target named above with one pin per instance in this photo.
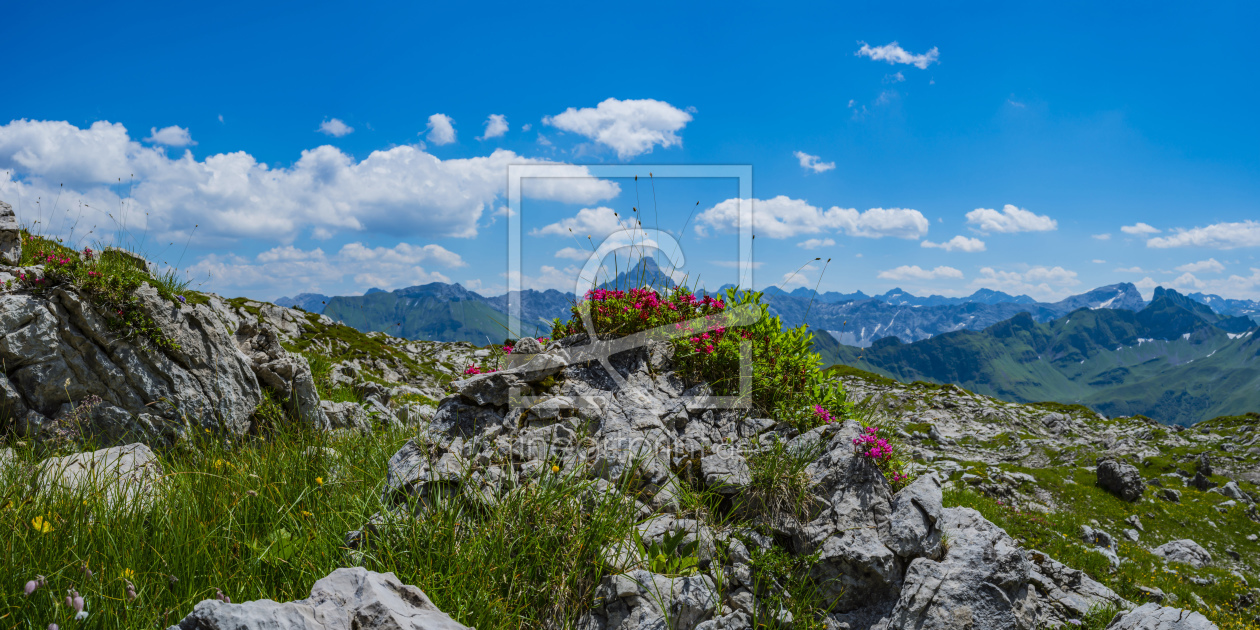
(822, 414)
(872, 446)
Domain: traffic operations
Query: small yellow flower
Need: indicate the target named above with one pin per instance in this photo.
(42, 526)
(128, 574)
(319, 480)
(555, 469)
(305, 513)
(218, 464)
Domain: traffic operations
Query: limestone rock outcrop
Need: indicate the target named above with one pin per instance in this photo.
(347, 599)
(67, 373)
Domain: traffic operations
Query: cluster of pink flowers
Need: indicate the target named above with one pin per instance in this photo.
(824, 415)
(870, 445)
(617, 310)
(87, 253)
(508, 349)
(648, 299)
(603, 295)
(704, 342)
(473, 369)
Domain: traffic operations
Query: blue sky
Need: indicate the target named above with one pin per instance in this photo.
(341, 147)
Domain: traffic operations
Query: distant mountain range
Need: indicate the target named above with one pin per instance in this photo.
(449, 312)
(898, 297)
(1175, 360)
(860, 321)
(446, 312)
(1241, 308)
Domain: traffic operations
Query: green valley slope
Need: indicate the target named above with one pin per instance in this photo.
(431, 311)
(1174, 361)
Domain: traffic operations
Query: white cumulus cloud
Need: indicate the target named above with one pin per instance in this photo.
(813, 162)
(894, 54)
(1210, 264)
(1186, 281)
(549, 277)
(1040, 282)
(1215, 236)
(496, 126)
(573, 253)
(401, 254)
(1010, 220)
(815, 243)
(958, 243)
(314, 271)
(399, 191)
(1146, 286)
(1235, 286)
(1139, 229)
(629, 127)
(173, 136)
(800, 278)
(1101, 237)
(441, 129)
(596, 223)
(914, 272)
(335, 127)
(784, 217)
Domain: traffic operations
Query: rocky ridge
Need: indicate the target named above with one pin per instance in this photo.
(68, 376)
(879, 555)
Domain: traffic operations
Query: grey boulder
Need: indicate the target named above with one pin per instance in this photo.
(10, 236)
(1201, 482)
(640, 600)
(1232, 491)
(1121, 479)
(488, 389)
(455, 417)
(344, 415)
(1103, 542)
(527, 345)
(1068, 593)
(982, 582)
(725, 471)
(121, 475)
(347, 599)
(286, 373)
(58, 352)
(1185, 551)
(916, 510)
(1155, 617)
